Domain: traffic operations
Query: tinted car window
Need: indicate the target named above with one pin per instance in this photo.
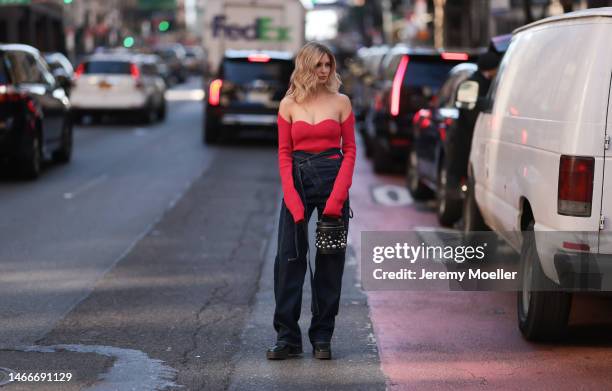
(421, 73)
(35, 72)
(243, 71)
(108, 67)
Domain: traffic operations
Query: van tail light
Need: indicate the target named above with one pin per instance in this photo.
(575, 193)
(79, 71)
(397, 85)
(214, 93)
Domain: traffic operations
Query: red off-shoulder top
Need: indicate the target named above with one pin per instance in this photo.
(303, 136)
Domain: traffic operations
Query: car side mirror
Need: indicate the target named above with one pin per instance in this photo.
(467, 95)
(63, 80)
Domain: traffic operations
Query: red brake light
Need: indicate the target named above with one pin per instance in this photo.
(575, 191)
(214, 95)
(79, 71)
(454, 56)
(10, 94)
(397, 85)
(134, 71)
(378, 102)
(442, 132)
(259, 58)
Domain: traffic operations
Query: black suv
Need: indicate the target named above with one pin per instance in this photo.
(441, 142)
(410, 80)
(246, 93)
(35, 120)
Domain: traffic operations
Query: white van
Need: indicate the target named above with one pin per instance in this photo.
(540, 164)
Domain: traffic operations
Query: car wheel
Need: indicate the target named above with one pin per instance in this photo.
(542, 309)
(31, 164)
(161, 112)
(449, 209)
(415, 186)
(64, 153)
(148, 115)
(210, 133)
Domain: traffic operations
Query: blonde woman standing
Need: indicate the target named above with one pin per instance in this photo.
(316, 155)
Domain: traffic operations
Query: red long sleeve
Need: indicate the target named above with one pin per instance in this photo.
(339, 194)
(285, 164)
(315, 138)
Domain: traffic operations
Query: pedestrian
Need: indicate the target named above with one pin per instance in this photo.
(316, 156)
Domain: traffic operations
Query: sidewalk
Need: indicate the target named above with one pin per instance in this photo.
(355, 364)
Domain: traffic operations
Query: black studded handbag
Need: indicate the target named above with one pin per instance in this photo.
(330, 236)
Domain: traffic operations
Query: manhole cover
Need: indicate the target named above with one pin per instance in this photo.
(5, 376)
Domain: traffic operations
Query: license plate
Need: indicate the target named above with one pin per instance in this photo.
(103, 85)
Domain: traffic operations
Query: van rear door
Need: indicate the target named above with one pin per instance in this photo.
(605, 232)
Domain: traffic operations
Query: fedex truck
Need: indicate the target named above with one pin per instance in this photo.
(252, 24)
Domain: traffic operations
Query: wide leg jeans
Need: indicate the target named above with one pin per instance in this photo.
(314, 181)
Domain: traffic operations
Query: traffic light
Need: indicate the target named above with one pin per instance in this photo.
(163, 26)
(128, 42)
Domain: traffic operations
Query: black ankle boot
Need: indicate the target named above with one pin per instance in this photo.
(321, 350)
(282, 350)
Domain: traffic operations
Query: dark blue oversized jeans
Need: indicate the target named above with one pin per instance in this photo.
(317, 175)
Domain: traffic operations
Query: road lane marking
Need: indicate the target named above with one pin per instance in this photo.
(85, 187)
(391, 195)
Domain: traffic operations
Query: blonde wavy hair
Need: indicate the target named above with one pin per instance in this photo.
(303, 82)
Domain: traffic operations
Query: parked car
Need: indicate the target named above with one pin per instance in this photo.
(540, 171)
(194, 60)
(410, 80)
(112, 84)
(437, 165)
(62, 70)
(35, 121)
(246, 92)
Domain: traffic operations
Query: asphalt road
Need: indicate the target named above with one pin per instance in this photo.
(61, 233)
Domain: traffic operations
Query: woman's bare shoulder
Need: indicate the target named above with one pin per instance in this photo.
(286, 107)
(344, 104)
